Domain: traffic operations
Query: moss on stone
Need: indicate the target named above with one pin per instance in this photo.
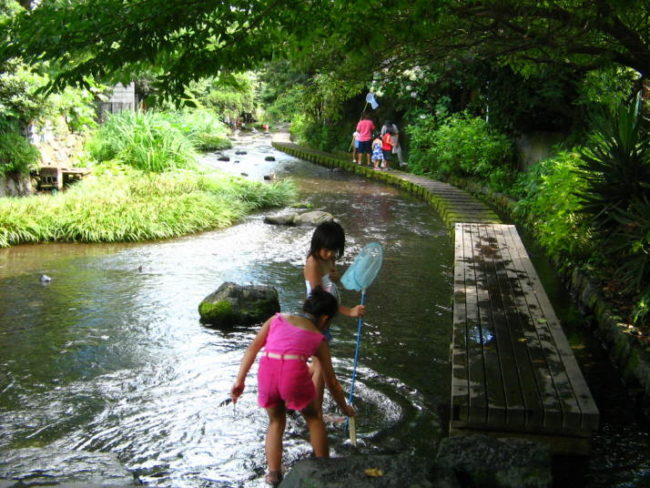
(217, 313)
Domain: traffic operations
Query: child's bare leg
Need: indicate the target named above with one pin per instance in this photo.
(317, 433)
(316, 371)
(274, 433)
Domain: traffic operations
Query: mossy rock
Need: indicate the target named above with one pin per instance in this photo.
(234, 304)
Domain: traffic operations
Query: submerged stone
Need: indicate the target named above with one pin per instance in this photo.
(62, 467)
(500, 463)
(234, 304)
(314, 217)
(374, 471)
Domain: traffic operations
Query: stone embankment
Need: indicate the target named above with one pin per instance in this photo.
(454, 204)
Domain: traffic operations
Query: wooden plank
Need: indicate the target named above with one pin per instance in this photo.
(476, 361)
(459, 376)
(580, 411)
(513, 335)
(571, 414)
(512, 368)
(496, 403)
(552, 411)
(513, 404)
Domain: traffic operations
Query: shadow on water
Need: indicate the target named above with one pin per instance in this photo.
(110, 356)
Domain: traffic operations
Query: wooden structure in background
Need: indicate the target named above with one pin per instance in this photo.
(54, 177)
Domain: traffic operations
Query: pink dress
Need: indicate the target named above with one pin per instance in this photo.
(287, 380)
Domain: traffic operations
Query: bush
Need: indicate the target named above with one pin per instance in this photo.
(128, 205)
(461, 145)
(143, 140)
(552, 209)
(616, 171)
(17, 154)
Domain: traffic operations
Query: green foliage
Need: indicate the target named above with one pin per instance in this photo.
(628, 246)
(76, 106)
(616, 166)
(21, 100)
(18, 98)
(607, 88)
(285, 105)
(143, 140)
(460, 145)
(17, 155)
(641, 312)
(230, 95)
(203, 128)
(123, 204)
(551, 208)
(616, 171)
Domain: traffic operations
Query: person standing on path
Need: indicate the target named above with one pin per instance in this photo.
(387, 148)
(365, 128)
(377, 153)
(392, 129)
(355, 146)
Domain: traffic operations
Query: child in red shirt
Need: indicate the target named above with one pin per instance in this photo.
(387, 148)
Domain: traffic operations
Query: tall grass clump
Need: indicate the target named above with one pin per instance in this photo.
(203, 127)
(147, 141)
(130, 205)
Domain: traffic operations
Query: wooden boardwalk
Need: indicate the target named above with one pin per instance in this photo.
(513, 371)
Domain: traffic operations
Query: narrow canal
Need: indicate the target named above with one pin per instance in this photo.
(110, 356)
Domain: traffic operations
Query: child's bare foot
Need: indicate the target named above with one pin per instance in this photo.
(273, 478)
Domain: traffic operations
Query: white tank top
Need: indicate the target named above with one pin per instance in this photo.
(328, 285)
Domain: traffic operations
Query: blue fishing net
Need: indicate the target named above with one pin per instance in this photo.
(365, 267)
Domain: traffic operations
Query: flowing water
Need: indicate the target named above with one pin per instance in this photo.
(110, 356)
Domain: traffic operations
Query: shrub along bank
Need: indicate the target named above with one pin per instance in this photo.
(146, 184)
(122, 204)
(588, 206)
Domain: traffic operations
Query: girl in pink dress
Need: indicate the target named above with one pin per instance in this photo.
(283, 377)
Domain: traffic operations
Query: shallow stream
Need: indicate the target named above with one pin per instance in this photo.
(110, 355)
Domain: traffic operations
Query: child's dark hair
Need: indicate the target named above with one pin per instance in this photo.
(328, 235)
(319, 303)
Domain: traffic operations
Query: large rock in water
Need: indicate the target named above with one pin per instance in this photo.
(500, 463)
(315, 217)
(62, 467)
(234, 304)
(376, 471)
